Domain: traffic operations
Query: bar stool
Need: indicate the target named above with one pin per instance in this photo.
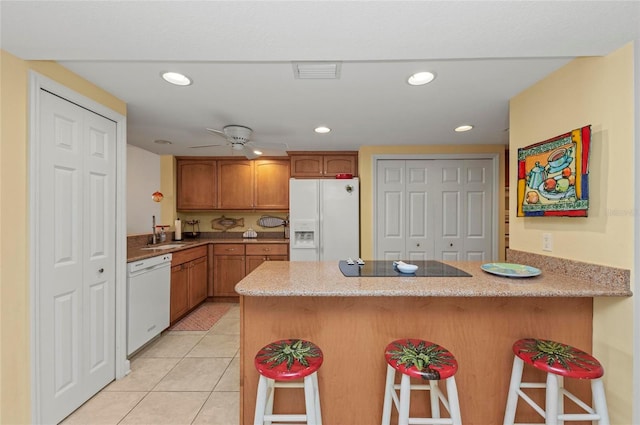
(415, 358)
(559, 361)
(279, 363)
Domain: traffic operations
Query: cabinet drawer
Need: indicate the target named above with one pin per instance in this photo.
(267, 249)
(228, 249)
(181, 257)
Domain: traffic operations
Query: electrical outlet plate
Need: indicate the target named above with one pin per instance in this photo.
(547, 242)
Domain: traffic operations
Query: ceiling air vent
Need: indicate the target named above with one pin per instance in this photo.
(316, 70)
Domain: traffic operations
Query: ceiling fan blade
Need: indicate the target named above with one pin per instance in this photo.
(219, 133)
(203, 146)
(213, 130)
(249, 153)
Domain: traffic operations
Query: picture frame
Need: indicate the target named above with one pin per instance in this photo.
(553, 176)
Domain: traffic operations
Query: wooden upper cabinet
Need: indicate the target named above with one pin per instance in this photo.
(271, 184)
(335, 164)
(232, 184)
(196, 184)
(323, 164)
(235, 184)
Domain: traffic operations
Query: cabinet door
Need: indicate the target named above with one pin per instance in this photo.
(197, 281)
(306, 166)
(196, 184)
(253, 261)
(335, 164)
(271, 184)
(179, 292)
(235, 184)
(228, 270)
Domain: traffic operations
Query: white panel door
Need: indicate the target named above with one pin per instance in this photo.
(479, 199)
(434, 209)
(464, 231)
(76, 273)
(390, 210)
(419, 217)
(448, 241)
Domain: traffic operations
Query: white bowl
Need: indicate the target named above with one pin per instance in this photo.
(406, 268)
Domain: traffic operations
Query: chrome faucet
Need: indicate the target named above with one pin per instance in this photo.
(154, 237)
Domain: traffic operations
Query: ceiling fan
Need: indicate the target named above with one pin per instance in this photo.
(238, 137)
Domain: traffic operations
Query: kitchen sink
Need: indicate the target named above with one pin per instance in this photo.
(167, 246)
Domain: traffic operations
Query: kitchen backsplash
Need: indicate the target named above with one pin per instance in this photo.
(249, 220)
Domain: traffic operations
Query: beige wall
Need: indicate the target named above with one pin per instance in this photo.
(599, 92)
(15, 404)
(365, 164)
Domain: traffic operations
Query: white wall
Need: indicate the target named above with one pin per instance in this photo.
(143, 178)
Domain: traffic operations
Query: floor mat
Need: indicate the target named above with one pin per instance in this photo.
(202, 318)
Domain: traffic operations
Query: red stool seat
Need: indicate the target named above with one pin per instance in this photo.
(421, 359)
(288, 359)
(560, 359)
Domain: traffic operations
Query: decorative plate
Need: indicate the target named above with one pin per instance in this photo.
(510, 270)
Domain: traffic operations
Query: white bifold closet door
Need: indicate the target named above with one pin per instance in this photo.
(75, 338)
(434, 209)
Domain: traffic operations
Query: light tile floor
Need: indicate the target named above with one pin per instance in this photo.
(183, 377)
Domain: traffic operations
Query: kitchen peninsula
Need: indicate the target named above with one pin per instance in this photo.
(352, 319)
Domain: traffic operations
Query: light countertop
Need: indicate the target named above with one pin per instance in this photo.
(324, 279)
(137, 253)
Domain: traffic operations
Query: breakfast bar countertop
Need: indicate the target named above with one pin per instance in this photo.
(324, 279)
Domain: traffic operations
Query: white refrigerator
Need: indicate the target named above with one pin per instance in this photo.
(324, 219)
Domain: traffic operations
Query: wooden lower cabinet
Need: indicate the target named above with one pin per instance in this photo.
(232, 262)
(179, 292)
(257, 254)
(228, 269)
(188, 281)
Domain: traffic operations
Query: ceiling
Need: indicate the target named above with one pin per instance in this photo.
(240, 56)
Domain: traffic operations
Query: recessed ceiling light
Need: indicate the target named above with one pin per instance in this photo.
(176, 78)
(463, 128)
(257, 152)
(322, 129)
(162, 142)
(421, 78)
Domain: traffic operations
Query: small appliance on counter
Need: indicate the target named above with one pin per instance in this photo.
(250, 234)
(195, 229)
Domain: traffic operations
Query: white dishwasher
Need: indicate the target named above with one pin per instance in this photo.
(148, 298)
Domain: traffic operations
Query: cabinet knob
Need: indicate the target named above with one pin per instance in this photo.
(231, 249)
(451, 244)
(100, 270)
(267, 249)
(418, 244)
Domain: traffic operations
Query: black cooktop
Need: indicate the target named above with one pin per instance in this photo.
(429, 268)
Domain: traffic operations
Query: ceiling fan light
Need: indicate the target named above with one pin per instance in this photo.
(257, 152)
(421, 78)
(463, 128)
(176, 78)
(322, 129)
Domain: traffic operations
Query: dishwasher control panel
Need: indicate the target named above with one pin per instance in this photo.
(148, 262)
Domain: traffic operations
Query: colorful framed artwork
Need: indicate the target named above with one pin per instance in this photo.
(553, 176)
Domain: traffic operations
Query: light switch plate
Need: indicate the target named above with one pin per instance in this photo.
(547, 242)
